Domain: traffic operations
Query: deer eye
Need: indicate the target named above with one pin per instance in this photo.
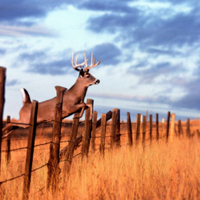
(87, 76)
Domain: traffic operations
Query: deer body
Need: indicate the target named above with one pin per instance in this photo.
(73, 99)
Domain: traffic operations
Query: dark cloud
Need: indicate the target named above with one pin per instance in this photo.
(12, 82)
(42, 63)
(108, 53)
(106, 5)
(148, 72)
(146, 29)
(2, 51)
(12, 12)
(112, 23)
(31, 57)
(192, 98)
(56, 67)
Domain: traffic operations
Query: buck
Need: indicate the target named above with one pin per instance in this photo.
(73, 99)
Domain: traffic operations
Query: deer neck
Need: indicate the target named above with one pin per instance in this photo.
(79, 90)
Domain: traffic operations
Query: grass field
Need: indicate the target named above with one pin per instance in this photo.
(158, 171)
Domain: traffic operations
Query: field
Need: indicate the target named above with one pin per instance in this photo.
(159, 170)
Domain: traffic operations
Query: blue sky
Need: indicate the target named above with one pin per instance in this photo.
(149, 51)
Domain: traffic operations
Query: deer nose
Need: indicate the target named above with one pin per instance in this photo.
(97, 81)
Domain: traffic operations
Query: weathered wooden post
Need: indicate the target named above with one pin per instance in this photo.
(103, 133)
(8, 155)
(71, 145)
(150, 124)
(53, 163)
(129, 129)
(115, 130)
(30, 150)
(93, 133)
(163, 126)
(144, 130)
(2, 100)
(188, 127)
(87, 130)
(157, 126)
(137, 128)
(179, 127)
(167, 128)
(172, 126)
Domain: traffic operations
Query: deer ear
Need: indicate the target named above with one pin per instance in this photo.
(81, 73)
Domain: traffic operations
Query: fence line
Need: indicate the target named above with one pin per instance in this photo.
(138, 131)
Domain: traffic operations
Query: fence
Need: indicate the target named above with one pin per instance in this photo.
(135, 132)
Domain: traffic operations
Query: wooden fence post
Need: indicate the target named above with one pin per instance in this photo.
(53, 163)
(137, 136)
(8, 155)
(30, 150)
(172, 126)
(188, 127)
(93, 133)
(157, 126)
(163, 127)
(167, 128)
(2, 100)
(129, 129)
(144, 130)
(103, 133)
(179, 128)
(87, 130)
(115, 130)
(71, 145)
(150, 128)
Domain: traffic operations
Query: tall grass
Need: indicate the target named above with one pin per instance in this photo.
(160, 171)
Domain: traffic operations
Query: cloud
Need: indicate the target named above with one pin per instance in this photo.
(164, 29)
(35, 30)
(2, 51)
(192, 98)
(12, 82)
(55, 67)
(12, 12)
(148, 72)
(108, 53)
(106, 5)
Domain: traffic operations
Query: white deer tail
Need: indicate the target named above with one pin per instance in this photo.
(25, 96)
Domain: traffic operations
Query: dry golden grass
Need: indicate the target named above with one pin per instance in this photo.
(160, 171)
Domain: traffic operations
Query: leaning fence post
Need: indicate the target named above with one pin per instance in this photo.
(2, 100)
(8, 155)
(87, 130)
(53, 163)
(129, 129)
(30, 150)
(167, 129)
(71, 145)
(103, 133)
(93, 133)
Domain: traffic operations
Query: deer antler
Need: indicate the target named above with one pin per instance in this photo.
(74, 64)
(92, 62)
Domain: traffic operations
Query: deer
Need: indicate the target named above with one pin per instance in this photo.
(73, 99)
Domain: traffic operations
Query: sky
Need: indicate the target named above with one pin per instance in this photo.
(150, 52)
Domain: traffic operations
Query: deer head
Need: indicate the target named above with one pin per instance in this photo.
(84, 74)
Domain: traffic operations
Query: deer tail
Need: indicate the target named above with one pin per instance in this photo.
(25, 96)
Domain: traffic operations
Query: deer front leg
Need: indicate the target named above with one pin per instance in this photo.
(74, 108)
